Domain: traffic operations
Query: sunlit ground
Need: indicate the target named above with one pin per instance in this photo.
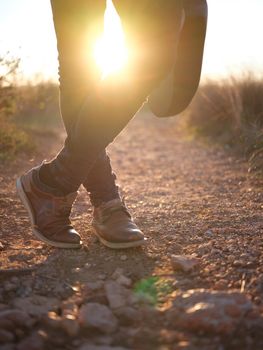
(111, 52)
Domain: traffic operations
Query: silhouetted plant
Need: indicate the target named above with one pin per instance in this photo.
(231, 112)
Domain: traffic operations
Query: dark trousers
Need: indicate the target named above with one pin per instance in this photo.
(94, 111)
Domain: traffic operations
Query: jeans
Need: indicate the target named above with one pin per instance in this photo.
(94, 111)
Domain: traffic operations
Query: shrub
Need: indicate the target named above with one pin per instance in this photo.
(24, 109)
(231, 112)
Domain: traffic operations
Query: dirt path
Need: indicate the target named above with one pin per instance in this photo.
(189, 199)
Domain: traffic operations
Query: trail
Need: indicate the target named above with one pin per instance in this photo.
(189, 199)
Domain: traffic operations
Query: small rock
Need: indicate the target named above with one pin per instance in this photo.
(209, 233)
(6, 337)
(94, 315)
(94, 285)
(204, 249)
(17, 317)
(102, 276)
(70, 325)
(184, 263)
(36, 305)
(69, 308)
(33, 342)
(116, 294)
(120, 277)
(103, 340)
(124, 281)
(221, 285)
(123, 257)
(9, 287)
(178, 248)
(117, 273)
(52, 320)
(128, 315)
(238, 263)
(2, 247)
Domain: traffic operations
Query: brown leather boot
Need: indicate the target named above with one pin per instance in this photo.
(49, 214)
(114, 226)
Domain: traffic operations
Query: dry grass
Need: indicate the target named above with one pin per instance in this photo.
(24, 110)
(230, 112)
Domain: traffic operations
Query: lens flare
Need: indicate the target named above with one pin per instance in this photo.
(110, 52)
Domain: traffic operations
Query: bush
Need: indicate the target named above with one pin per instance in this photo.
(13, 141)
(230, 112)
(24, 109)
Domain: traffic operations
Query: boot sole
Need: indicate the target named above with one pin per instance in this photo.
(25, 201)
(119, 245)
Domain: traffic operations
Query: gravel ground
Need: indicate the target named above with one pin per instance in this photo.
(202, 217)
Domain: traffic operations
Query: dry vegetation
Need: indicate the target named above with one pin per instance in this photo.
(25, 110)
(230, 112)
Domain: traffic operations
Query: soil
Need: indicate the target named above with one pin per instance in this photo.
(189, 198)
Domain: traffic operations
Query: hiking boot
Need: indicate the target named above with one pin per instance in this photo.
(114, 226)
(49, 214)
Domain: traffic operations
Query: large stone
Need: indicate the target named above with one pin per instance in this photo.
(117, 295)
(94, 315)
(209, 311)
(184, 263)
(36, 305)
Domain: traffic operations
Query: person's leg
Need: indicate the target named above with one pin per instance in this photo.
(101, 182)
(49, 208)
(76, 26)
(110, 104)
(113, 102)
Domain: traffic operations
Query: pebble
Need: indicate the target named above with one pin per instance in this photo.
(36, 305)
(70, 325)
(52, 320)
(184, 263)
(98, 316)
(204, 249)
(102, 276)
(124, 281)
(238, 263)
(116, 294)
(117, 273)
(120, 278)
(69, 308)
(221, 285)
(209, 233)
(33, 342)
(94, 285)
(123, 257)
(17, 317)
(128, 315)
(9, 287)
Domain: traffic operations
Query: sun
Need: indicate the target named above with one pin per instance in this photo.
(110, 51)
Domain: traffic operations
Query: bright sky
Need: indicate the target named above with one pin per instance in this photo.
(234, 38)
